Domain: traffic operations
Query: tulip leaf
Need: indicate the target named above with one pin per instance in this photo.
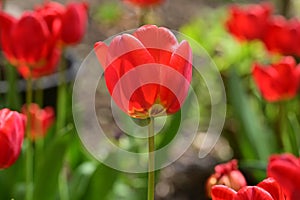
(50, 165)
(253, 133)
(101, 183)
(80, 180)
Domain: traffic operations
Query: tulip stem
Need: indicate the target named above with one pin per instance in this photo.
(29, 151)
(61, 96)
(39, 94)
(142, 18)
(151, 159)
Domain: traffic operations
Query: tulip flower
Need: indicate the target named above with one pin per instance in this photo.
(248, 23)
(68, 22)
(226, 174)
(278, 81)
(147, 73)
(268, 189)
(28, 44)
(282, 36)
(12, 128)
(144, 3)
(285, 169)
(40, 120)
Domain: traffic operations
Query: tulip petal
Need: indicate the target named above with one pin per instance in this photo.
(271, 186)
(181, 61)
(160, 42)
(126, 53)
(33, 49)
(264, 80)
(6, 24)
(221, 192)
(253, 193)
(288, 176)
(74, 23)
(101, 50)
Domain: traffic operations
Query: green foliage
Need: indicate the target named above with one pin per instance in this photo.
(108, 13)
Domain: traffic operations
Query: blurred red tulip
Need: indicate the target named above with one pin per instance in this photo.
(147, 73)
(285, 169)
(12, 128)
(268, 189)
(283, 36)
(144, 3)
(68, 22)
(226, 174)
(28, 44)
(278, 81)
(40, 120)
(248, 23)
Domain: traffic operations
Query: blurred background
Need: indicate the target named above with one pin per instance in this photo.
(250, 121)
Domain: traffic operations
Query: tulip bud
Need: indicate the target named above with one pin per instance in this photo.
(12, 128)
(40, 120)
(226, 174)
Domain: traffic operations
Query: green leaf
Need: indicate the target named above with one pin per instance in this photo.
(101, 183)
(80, 180)
(47, 173)
(253, 135)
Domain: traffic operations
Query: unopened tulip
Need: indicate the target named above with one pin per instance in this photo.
(249, 22)
(68, 22)
(12, 128)
(40, 120)
(28, 44)
(278, 81)
(226, 174)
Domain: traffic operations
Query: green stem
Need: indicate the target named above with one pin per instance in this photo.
(13, 99)
(61, 97)
(39, 94)
(61, 122)
(285, 7)
(142, 16)
(29, 150)
(151, 161)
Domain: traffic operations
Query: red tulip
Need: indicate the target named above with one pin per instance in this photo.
(248, 23)
(28, 44)
(12, 128)
(268, 189)
(144, 3)
(226, 174)
(68, 23)
(40, 120)
(279, 81)
(285, 169)
(147, 73)
(283, 36)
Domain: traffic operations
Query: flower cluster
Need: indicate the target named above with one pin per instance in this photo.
(256, 22)
(279, 81)
(282, 182)
(48, 28)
